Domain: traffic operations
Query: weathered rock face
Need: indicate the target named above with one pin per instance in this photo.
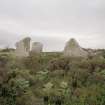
(37, 47)
(23, 47)
(72, 49)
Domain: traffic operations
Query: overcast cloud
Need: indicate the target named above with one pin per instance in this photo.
(53, 22)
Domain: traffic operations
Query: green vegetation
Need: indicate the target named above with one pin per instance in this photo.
(51, 79)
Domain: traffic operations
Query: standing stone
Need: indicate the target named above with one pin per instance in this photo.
(23, 47)
(37, 47)
(72, 49)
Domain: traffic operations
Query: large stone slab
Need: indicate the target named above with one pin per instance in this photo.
(23, 47)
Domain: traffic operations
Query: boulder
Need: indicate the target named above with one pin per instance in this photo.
(37, 47)
(73, 49)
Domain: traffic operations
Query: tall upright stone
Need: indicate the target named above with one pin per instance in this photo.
(23, 47)
(37, 47)
(73, 49)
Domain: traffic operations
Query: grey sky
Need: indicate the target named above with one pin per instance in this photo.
(53, 22)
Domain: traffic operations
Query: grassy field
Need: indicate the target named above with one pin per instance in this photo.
(51, 79)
